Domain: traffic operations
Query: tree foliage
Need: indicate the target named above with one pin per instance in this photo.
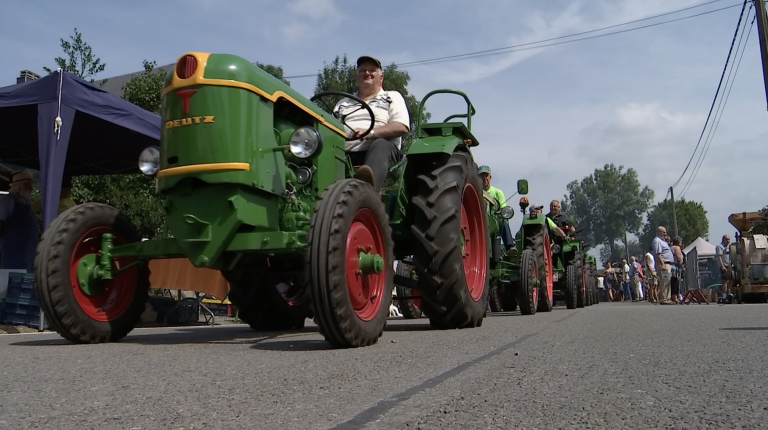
(276, 71)
(339, 75)
(144, 89)
(761, 228)
(692, 221)
(607, 204)
(80, 60)
(620, 251)
(133, 195)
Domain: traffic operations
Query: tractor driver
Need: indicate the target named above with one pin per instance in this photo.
(558, 217)
(376, 152)
(485, 176)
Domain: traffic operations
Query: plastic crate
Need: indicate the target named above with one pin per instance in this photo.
(20, 306)
(21, 285)
(26, 320)
(21, 311)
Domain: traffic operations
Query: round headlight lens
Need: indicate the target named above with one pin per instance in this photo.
(507, 212)
(149, 161)
(305, 141)
(555, 249)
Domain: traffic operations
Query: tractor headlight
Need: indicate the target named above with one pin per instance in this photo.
(507, 212)
(555, 249)
(305, 142)
(149, 160)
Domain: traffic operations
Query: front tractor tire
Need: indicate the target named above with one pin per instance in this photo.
(578, 264)
(451, 255)
(529, 283)
(98, 312)
(350, 264)
(572, 287)
(538, 242)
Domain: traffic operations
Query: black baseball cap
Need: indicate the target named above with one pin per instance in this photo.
(368, 58)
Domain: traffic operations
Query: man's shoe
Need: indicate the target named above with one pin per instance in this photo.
(365, 174)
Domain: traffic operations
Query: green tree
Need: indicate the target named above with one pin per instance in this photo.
(608, 204)
(692, 221)
(276, 71)
(761, 228)
(80, 60)
(339, 75)
(144, 89)
(619, 251)
(133, 194)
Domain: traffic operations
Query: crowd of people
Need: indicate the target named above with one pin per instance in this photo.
(655, 277)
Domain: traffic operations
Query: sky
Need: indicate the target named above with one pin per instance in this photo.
(550, 115)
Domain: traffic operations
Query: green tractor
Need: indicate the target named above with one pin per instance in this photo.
(257, 184)
(505, 263)
(523, 276)
(575, 270)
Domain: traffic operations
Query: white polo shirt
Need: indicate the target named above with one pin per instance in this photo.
(386, 106)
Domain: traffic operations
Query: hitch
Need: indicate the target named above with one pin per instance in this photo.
(94, 269)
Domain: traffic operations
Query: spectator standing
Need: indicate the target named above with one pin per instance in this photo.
(625, 280)
(664, 261)
(18, 226)
(634, 274)
(650, 277)
(609, 276)
(724, 261)
(677, 269)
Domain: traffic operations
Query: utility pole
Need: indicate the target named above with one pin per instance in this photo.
(674, 213)
(762, 30)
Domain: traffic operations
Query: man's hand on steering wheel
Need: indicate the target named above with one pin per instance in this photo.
(356, 133)
(362, 131)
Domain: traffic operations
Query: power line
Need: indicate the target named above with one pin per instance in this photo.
(720, 109)
(727, 61)
(713, 130)
(530, 45)
(561, 37)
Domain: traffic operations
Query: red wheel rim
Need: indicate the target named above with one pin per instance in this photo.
(365, 291)
(474, 256)
(416, 301)
(117, 294)
(548, 259)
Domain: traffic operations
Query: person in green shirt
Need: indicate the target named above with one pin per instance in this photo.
(506, 233)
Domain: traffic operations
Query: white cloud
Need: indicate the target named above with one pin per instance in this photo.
(309, 20)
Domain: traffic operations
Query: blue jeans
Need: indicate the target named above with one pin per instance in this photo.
(627, 290)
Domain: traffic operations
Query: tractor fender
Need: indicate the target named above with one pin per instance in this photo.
(436, 145)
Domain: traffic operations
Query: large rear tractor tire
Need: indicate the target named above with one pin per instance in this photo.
(543, 252)
(95, 312)
(263, 307)
(451, 255)
(528, 297)
(572, 287)
(578, 264)
(408, 307)
(349, 262)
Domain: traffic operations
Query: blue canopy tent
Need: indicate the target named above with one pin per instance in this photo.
(61, 124)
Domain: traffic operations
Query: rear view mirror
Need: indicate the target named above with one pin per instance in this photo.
(522, 186)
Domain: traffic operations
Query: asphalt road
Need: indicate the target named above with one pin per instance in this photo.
(611, 366)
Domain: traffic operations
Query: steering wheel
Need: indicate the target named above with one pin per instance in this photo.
(343, 118)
